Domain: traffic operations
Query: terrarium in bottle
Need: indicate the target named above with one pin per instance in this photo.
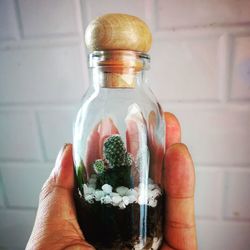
(119, 140)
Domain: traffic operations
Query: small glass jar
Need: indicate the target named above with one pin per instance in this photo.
(118, 150)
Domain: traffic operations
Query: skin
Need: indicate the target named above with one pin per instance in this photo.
(56, 225)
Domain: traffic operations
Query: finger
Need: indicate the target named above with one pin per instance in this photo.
(63, 172)
(173, 129)
(156, 149)
(60, 181)
(136, 138)
(132, 137)
(179, 183)
(133, 144)
(93, 151)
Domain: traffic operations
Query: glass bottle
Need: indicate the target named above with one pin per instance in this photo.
(118, 146)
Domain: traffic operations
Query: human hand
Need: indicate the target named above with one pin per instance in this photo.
(56, 225)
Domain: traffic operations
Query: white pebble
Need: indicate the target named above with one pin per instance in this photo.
(151, 186)
(125, 200)
(152, 203)
(107, 188)
(154, 193)
(131, 198)
(122, 190)
(139, 246)
(116, 199)
(106, 199)
(112, 194)
(132, 192)
(88, 190)
(156, 243)
(79, 193)
(122, 205)
(85, 188)
(89, 198)
(99, 194)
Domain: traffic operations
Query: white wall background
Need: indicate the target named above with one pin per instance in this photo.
(200, 71)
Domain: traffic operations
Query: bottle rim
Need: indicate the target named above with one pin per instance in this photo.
(117, 59)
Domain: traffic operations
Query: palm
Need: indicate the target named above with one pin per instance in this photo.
(56, 226)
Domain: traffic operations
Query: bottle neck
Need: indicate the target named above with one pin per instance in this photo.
(118, 68)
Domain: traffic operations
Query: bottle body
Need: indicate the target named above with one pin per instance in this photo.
(119, 136)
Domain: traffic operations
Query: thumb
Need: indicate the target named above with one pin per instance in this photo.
(56, 195)
(62, 174)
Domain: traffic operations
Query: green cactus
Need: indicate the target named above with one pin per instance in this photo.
(114, 151)
(114, 168)
(99, 166)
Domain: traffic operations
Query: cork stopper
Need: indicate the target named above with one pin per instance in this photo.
(122, 38)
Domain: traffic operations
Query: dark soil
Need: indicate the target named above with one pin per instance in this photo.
(109, 227)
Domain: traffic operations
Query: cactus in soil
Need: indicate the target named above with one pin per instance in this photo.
(114, 168)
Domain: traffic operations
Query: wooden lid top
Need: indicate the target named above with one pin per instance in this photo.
(118, 32)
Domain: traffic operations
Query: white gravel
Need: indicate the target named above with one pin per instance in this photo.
(143, 194)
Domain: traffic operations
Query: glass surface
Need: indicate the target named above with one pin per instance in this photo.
(119, 136)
